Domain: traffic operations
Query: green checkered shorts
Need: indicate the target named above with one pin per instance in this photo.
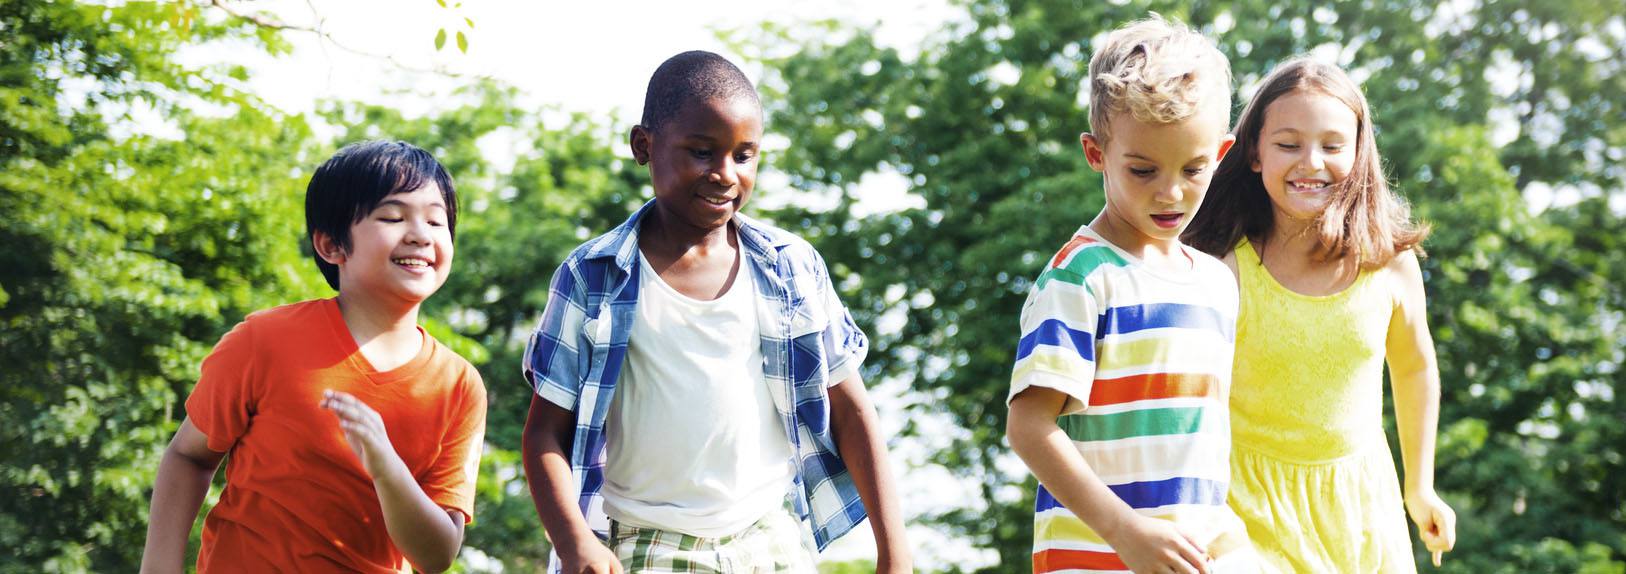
(773, 544)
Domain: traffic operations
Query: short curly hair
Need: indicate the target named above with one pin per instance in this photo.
(1159, 72)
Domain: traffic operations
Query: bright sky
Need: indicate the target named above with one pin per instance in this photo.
(593, 57)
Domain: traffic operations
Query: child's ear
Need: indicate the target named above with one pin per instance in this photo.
(640, 139)
(1093, 153)
(326, 248)
(1225, 147)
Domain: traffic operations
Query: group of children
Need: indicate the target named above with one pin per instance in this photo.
(697, 404)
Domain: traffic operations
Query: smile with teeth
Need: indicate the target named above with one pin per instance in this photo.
(410, 262)
(1308, 184)
(717, 200)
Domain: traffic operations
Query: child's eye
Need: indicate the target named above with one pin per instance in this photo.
(1195, 171)
(1333, 148)
(437, 223)
(1288, 146)
(744, 157)
(1141, 171)
(700, 153)
(388, 219)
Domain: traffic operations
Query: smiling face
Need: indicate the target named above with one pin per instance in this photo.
(1306, 146)
(1156, 176)
(703, 162)
(400, 251)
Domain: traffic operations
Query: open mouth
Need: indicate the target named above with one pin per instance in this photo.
(1167, 220)
(1308, 185)
(718, 201)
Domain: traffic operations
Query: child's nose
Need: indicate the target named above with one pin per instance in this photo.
(725, 174)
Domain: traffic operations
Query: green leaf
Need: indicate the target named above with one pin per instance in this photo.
(462, 42)
(440, 39)
(470, 22)
(442, 3)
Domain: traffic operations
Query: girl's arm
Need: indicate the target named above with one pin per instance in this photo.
(858, 439)
(1415, 377)
(1144, 544)
(177, 494)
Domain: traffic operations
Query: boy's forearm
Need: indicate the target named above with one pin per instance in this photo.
(425, 533)
(177, 494)
(547, 473)
(1047, 451)
(862, 449)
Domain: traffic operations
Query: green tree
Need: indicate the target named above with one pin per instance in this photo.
(125, 258)
(1526, 306)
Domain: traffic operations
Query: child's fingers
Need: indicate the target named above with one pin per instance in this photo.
(1436, 558)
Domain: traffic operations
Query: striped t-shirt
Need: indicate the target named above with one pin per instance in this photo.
(1144, 357)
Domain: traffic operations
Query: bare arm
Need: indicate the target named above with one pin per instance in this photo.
(428, 535)
(548, 431)
(1414, 376)
(1144, 544)
(177, 493)
(858, 438)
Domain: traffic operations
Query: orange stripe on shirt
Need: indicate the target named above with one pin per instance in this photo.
(1058, 559)
(1150, 386)
(1072, 245)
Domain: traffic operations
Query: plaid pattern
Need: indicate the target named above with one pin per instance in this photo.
(770, 545)
(809, 340)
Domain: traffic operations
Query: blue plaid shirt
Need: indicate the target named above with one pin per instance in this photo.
(809, 341)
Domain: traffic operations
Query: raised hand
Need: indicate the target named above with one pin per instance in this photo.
(363, 431)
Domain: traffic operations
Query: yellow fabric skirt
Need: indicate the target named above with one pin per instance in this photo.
(1344, 515)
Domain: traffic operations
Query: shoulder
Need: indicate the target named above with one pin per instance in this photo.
(795, 253)
(1405, 273)
(291, 318)
(466, 379)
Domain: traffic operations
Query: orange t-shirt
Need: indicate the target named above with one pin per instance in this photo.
(296, 496)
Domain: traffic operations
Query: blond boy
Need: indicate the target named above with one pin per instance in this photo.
(1118, 395)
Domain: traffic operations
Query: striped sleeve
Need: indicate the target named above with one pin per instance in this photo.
(1059, 322)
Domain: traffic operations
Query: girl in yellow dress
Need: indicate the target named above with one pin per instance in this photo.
(1326, 257)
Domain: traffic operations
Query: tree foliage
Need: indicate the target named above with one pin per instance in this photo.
(146, 206)
(1525, 302)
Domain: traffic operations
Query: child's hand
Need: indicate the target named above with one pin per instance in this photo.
(363, 430)
(1436, 522)
(591, 557)
(1152, 545)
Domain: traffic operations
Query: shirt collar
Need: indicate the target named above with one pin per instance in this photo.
(621, 244)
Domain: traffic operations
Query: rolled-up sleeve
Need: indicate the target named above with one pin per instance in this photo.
(552, 356)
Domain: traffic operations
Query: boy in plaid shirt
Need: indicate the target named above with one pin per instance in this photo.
(697, 394)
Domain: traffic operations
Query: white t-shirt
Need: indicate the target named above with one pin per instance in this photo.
(695, 444)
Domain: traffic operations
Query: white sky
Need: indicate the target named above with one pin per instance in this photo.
(593, 57)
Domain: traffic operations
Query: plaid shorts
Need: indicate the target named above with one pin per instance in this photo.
(772, 544)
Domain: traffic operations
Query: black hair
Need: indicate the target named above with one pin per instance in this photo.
(690, 76)
(349, 185)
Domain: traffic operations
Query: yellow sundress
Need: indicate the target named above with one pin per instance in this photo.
(1311, 471)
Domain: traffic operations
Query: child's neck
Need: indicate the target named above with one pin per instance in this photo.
(1159, 254)
(670, 239)
(1293, 238)
(387, 335)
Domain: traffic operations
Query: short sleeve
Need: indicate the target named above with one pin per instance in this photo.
(551, 364)
(845, 345)
(1057, 348)
(451, 480)
(223, 401)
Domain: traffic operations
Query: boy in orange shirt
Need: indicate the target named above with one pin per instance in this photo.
(383, 480)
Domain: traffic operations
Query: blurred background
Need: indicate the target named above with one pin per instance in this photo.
(153, 159)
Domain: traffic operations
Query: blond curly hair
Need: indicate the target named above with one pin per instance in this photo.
(1159, 72)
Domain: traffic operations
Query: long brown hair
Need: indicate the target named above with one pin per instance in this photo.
(1363, 216)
